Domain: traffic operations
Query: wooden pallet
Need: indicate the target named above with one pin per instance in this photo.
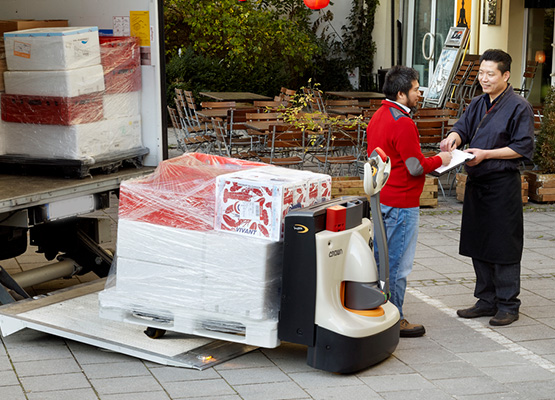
(461, 182)
(353, 186)
(67, 168)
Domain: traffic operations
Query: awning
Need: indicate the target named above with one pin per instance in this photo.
(539, 3)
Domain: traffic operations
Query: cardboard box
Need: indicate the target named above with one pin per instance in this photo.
(50, 49)
(63, 83)
(11, 25)
(255, 202)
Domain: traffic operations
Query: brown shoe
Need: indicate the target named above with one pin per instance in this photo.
(411, 330)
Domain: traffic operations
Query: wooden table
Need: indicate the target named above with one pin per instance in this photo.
(345, 110)
(357, 95)
(235, 96)
(213, 113)
(262, 126)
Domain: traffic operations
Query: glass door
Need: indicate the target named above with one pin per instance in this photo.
(432, 20)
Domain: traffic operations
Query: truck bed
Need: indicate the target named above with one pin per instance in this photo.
(20, 192)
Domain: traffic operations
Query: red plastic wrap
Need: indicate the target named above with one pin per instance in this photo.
(181, 192)
(121, 60)
(49, 110)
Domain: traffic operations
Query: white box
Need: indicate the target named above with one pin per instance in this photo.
(64, 83)
(52, 48)
(121, 104)
(84, 141)
(254, 202)
(212, 271)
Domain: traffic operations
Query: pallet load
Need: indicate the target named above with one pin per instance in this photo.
(72, 99)
(177, 269)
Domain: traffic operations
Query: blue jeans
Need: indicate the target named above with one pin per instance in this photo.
(401, 226)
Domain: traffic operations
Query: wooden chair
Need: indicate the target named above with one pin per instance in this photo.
(528, 76)
(229, 145)
(186, 141)
(272, 106)
(285, 145)
(345, 145)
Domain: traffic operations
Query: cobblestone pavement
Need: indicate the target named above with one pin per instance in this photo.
(456, 359)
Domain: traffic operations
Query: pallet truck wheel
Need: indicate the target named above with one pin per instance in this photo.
(154, 333)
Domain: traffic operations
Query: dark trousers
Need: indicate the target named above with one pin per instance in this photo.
(497, 285)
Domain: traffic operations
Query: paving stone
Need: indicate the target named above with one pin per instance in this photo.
(173, 374)
(14, 392)
(87, 354)
(445, 370)
(254, 359)
(359, 392)
(392, 383)
(136, 384)
(421, 394)
(160, 395)
(472, 385)
(72, 394)
(253, 375)
(483, 359)
(272, 391)
(518, 373)
(49, 383)
(115, 370)
(209, 388)
(320, 379)
(8, 378)
(46, 367)
(37, 353)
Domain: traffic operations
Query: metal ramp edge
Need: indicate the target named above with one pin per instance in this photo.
(72, 313)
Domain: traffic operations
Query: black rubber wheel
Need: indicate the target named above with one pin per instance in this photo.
(154, 333)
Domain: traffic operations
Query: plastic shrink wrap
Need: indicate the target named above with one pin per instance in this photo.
(174, 271)
(71, 95)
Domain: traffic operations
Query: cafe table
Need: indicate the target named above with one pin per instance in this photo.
(235, 96)
(357, 95)
(344, 110)
(213, 113)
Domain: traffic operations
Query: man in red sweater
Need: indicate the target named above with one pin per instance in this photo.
(393, 129)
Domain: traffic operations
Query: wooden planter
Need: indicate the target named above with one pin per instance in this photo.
(461, 182)
(353, 186)
(541, 186)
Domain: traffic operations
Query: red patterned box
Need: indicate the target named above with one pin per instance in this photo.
(255, 202)
(49, 110)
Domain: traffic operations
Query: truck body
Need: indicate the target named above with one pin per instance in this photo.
(51, 206)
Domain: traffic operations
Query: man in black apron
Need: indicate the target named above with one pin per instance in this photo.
(498, 127)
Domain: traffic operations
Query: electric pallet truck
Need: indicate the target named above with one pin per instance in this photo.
(333, 299)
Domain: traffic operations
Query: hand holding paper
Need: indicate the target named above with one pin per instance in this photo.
(459, 157)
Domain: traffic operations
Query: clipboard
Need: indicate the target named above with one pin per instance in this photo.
(459, 158)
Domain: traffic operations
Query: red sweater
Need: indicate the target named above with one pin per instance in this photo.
(392, 129)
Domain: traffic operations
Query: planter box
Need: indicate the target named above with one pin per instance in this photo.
(353, 186)
(541, 186)
(461, 182)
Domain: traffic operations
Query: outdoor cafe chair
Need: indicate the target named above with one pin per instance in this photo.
(345, 145)
(241, 147)
(286, 146)
(187, 141)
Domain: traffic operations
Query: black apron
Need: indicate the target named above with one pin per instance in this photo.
(492, 221)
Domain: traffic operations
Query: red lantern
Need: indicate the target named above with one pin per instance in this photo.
(316, 4)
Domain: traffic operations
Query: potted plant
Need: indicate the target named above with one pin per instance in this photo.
(542, 181)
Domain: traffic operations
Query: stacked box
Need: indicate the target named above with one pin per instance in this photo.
(121, 60)
(255, 202)
(75, 142)
(173, 267)
(16, 25)
(56, 91)
(49, 110)
(47, 49)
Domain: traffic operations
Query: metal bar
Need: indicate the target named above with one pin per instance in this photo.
(46, 273)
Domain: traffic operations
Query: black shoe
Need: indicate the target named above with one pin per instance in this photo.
(475, 312)
(503, 318)
(411, 330)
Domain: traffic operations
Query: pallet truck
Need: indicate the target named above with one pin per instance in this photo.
(333, 300)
